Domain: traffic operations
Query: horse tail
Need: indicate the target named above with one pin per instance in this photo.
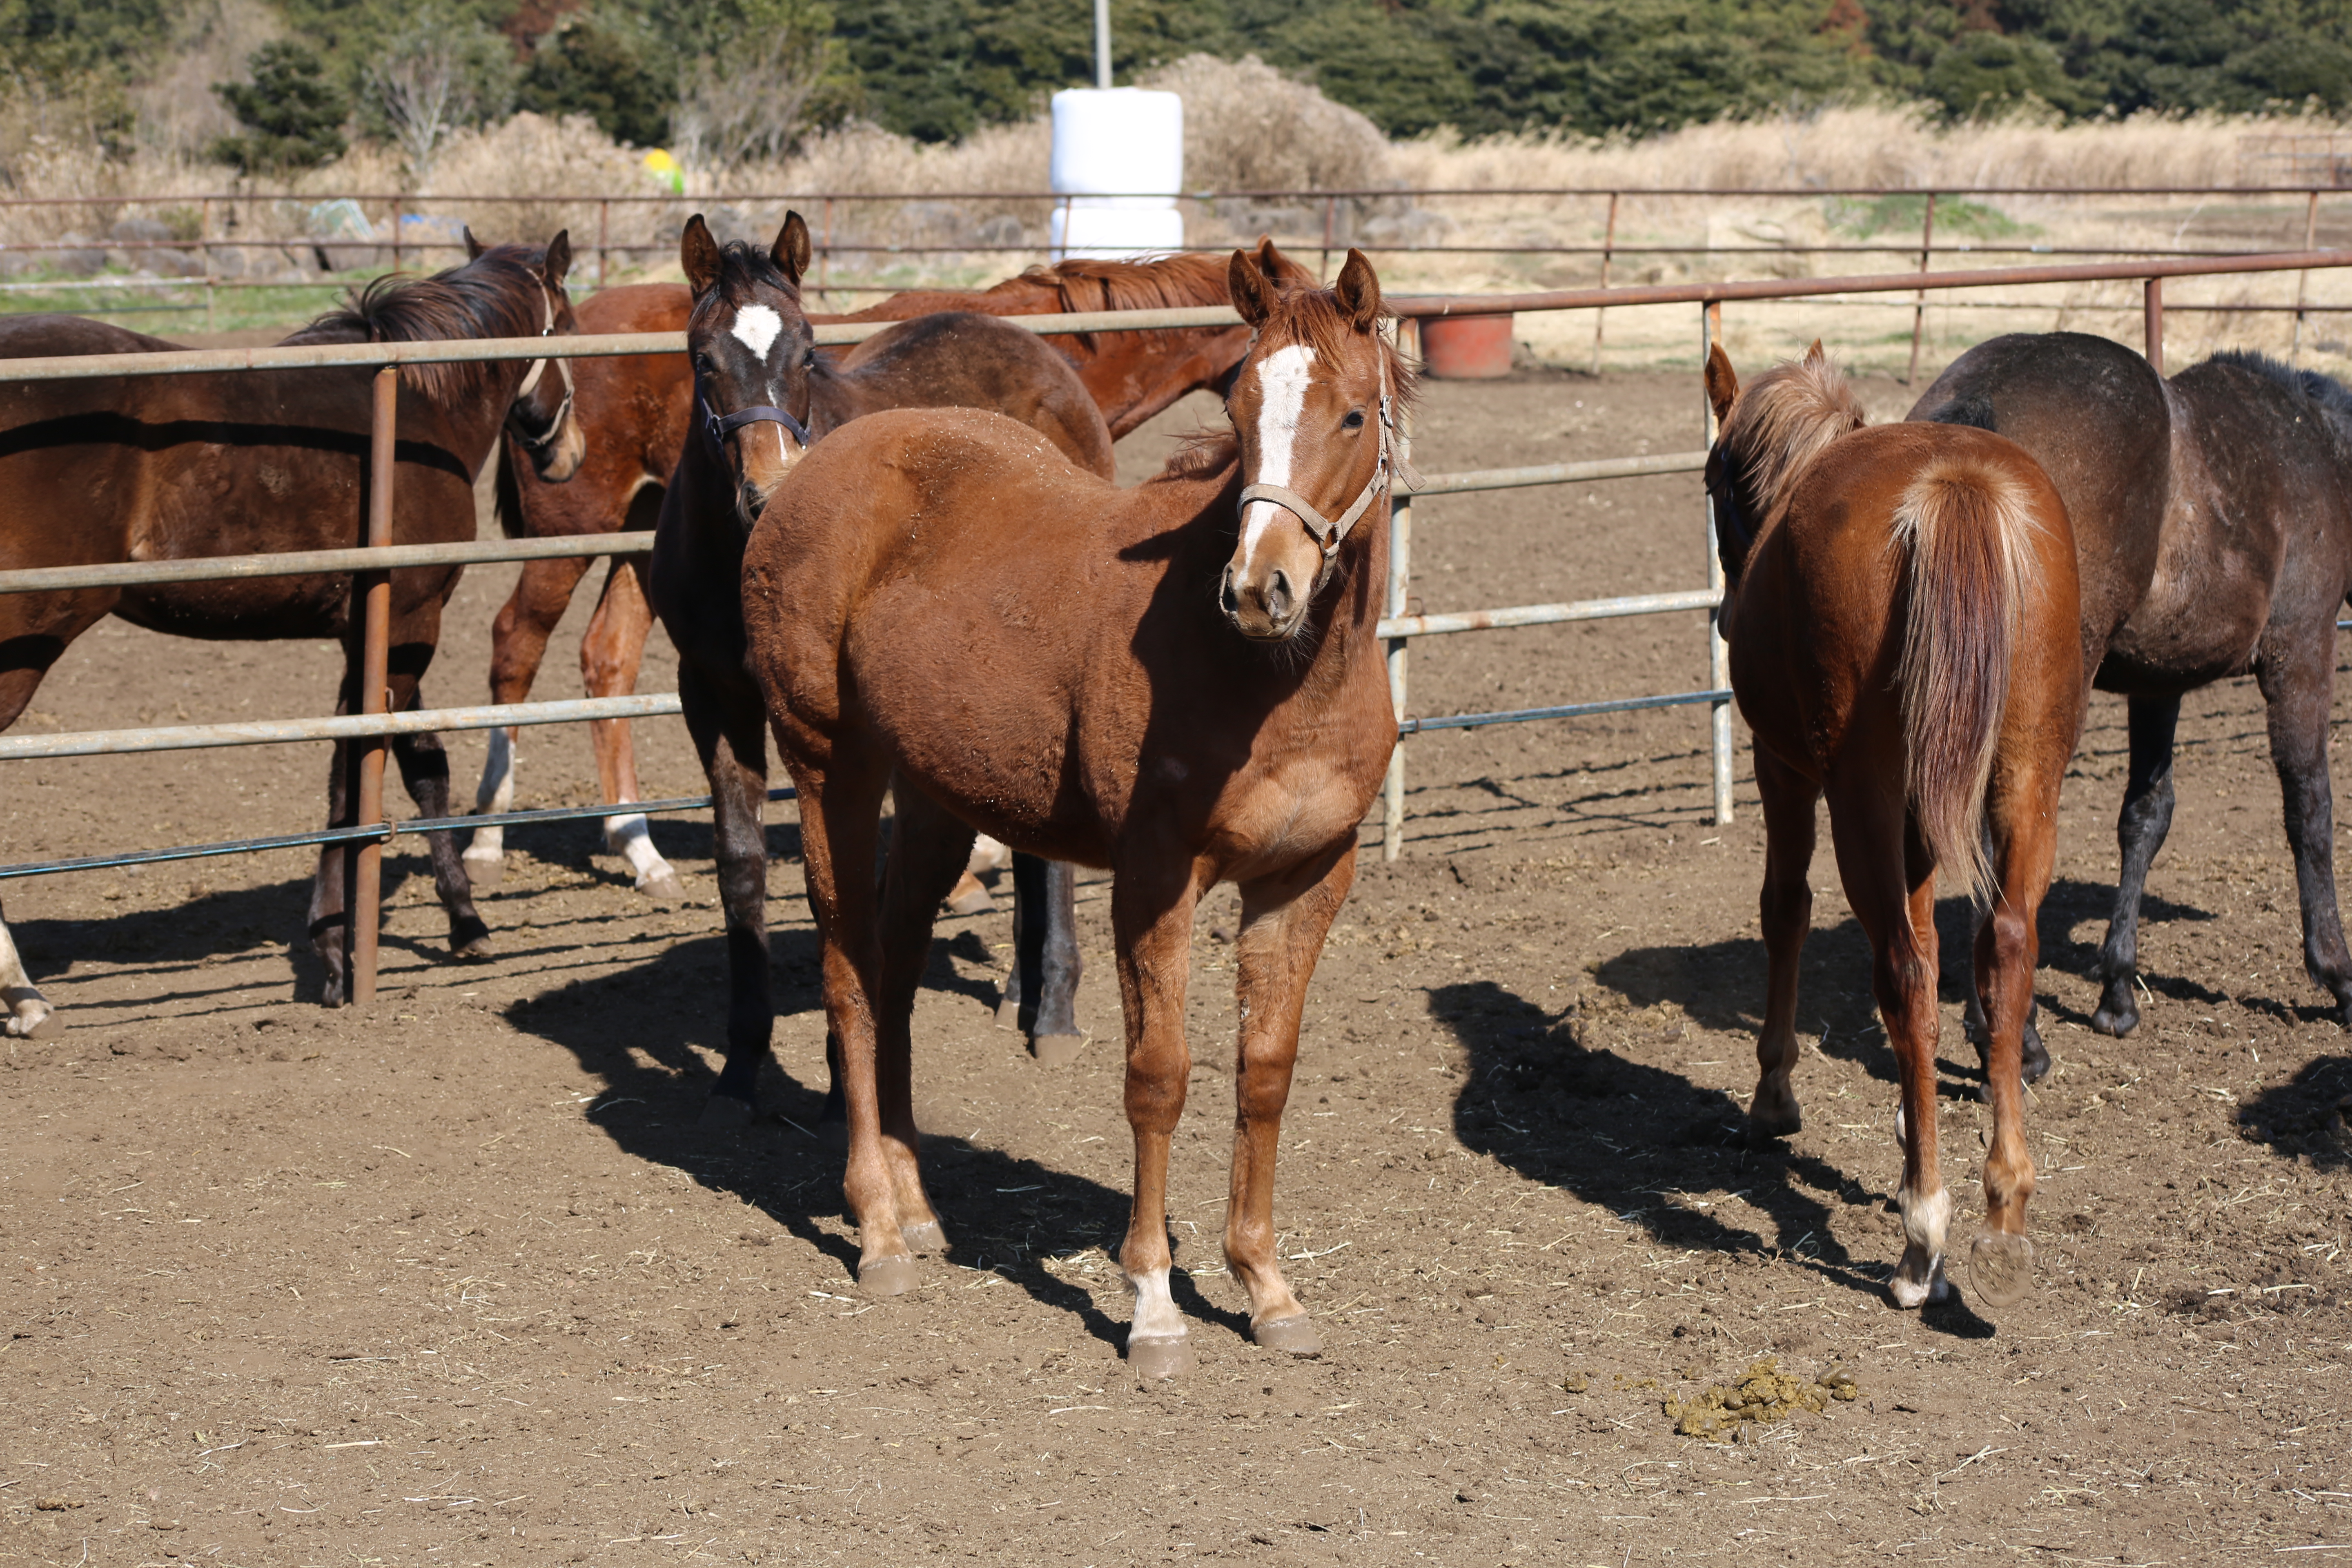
(1968, 527)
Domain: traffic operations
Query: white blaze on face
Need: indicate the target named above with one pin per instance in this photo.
(756, 327)
(1283, 378)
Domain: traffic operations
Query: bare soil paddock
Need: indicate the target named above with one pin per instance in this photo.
(456, 1278)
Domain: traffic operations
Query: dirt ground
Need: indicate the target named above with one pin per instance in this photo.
(455, 1278)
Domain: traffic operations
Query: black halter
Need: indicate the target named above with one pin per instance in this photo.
(717, 426)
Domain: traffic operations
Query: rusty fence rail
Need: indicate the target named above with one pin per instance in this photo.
(370, 565)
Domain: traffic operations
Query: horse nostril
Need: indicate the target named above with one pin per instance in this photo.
(1278, 600)
(1229, 601)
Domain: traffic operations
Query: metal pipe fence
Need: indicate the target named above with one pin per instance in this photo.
(370, 566)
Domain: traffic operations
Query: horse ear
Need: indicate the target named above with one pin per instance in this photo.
(559, 258)
(1253, 294)
(698, 254)
(1280, 268)
(474, 247)
(791, 251)
(1814, 355)
(1358, 290)
(1722, 383)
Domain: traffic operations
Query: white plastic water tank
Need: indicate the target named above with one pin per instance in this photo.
(1119, 154)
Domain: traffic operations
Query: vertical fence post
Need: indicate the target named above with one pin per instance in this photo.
(1718, 652)
(604, 237)
(1919, 301)
(372, 606)
(825, 248)
(2152, 323)
(395, 234)
(1400, 580)
(1608, 254)
(204, 233)
(1330, 222)
(2303, 279)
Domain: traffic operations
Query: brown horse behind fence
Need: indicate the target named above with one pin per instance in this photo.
(183, 466)
(637, 408)
(1182, 684)
(1902, 611)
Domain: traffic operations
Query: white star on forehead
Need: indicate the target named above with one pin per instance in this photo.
(756, 327)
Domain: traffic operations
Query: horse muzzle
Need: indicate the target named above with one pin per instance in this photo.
(1267, 606)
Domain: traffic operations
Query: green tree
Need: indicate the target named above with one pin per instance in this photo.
(291, 110)
(609, 73)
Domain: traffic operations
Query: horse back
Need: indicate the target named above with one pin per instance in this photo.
(964, 360)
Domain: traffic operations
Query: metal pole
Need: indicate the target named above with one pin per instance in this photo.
(1718, 652)
(1102, 44)
(2303, 279)
(1400, 580)
(1920, 308)
(372, 596)
(825, 248)
(1608, 254)
(604, 238)
(2152, 323)
(1330, 216)
(395, 234)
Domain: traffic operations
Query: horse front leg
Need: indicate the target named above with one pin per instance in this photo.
(330, 925)
(729, 736)
(1285, 918)
(424, 772)
(610, 653)
(518, 642)
(2299, 687)
(1787, 908)
(2140, 828)
(25, 1013)
(1151, 910)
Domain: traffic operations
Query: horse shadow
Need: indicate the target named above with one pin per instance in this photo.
(1003, 1212)
(2309, 1115)
(1650, 1146)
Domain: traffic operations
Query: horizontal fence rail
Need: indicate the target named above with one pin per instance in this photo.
(342, 727)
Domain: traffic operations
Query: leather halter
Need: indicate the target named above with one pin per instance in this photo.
(718, 426)
(1328, 532)
(531, 384)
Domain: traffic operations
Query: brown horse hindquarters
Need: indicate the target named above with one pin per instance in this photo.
(965, 360)
(1904, 644)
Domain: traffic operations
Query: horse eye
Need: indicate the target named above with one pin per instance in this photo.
(1355, 419)
(808, 360)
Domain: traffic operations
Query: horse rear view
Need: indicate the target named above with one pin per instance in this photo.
(1902, 612)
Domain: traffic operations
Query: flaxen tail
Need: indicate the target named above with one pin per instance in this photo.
(1968, 528)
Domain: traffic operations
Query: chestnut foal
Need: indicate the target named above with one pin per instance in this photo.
(1182, 684)
(1902, 610)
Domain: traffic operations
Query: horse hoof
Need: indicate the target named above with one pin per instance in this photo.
(2115, 1022)
(1292, 1336)
(969, 897)
(725, 1114)
(485, 871)
(663, 885)
(1057, 1050)
(44, 1025)
(2001, 1266)
(469, 940)
(926, 1237)
(1765, 1126)
(888, 1276)
(1008, 1013)
(1156, 1360)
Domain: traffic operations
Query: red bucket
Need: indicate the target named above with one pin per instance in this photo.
(1466, 347)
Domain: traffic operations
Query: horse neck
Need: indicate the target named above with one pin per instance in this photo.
(475, 418)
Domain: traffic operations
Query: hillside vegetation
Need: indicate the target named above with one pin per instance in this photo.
(276, 85)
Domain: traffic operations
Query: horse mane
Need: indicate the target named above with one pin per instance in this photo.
(2323, 389)
(1785, 417)
(1312, 317)
(495, 295)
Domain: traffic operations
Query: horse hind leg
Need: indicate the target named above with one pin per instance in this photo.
(2000, 1263)
(1043, 989)
(2140, 829)
(25, 1013)
(2034, 1057)
(928, 851)
(2298, 689)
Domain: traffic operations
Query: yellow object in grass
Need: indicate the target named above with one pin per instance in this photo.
(665, 171)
